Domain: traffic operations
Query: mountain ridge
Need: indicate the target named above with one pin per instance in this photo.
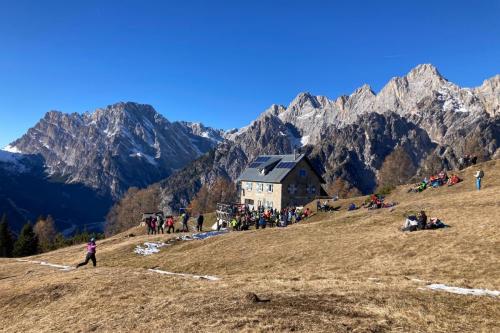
(130, 144)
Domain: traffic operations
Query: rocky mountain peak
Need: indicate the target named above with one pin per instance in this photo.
(304, 99)
(365, 89)
(424, 72)
(110, 149)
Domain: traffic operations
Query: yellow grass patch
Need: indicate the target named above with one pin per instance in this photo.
(337, 272)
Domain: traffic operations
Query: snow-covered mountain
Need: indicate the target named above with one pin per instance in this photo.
(114, 148)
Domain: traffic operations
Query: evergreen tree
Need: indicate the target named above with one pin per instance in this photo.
(27, 243)
(6, 240)
(60, 241)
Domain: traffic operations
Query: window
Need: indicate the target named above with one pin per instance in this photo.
(269, 187)
(292, 188)
(311, 189)
(302, 173)
(269, 204)
(260, 187)
(248, 186)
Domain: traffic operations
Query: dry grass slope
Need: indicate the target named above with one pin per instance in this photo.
(339, 272)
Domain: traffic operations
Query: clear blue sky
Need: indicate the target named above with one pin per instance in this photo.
(224, 62)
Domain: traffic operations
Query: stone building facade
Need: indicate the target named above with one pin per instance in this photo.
(279, 181)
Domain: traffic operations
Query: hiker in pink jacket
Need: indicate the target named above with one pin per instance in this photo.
(90, 254)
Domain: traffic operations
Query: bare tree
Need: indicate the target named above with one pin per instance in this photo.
(128, 211)
(343, 188)
(222, 190)
(45, 230)
(397, 169)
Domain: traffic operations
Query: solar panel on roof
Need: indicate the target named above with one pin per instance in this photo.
(262, 159)
(255, 165)
(285, 165)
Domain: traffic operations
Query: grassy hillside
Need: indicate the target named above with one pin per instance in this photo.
(338, 272)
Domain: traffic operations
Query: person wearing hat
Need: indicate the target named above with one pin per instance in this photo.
(90, 254)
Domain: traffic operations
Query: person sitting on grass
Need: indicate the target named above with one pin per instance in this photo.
(443, 177)
(453, 180)
(411, 224)
(435, 223)
(91, 249)
(422, 220)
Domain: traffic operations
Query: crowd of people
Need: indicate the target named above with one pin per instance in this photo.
(435, 181)
(241, 217)
(421, 222)
(467, 161)
(263, 217)
(157, 224)
(377, 201)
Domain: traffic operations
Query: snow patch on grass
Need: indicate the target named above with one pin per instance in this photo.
(464, 291)
(44, 263)
(149, 248)
(193, 276)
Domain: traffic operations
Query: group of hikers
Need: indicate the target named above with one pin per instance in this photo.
(267, 217)
(377, 201)
(467, 161)
(156, 224)
(435, 181)
(421, 222)
(244, 218)
(442, 179)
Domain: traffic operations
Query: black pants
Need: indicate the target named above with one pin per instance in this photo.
(199, 227)
(171, 227)
(90, 256)
(162, 230)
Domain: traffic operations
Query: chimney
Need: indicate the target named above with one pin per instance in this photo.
(294, 154)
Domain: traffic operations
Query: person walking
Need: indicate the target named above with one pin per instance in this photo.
(91, 246)
(153, 225)
(160, 223)
(199, 223)
(479, 176)
(170, 224)
(149, 222)
(185, 219)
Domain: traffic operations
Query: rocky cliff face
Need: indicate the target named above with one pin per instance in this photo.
(114, 148)
(349, 137)
(407, 96)
(129, 144)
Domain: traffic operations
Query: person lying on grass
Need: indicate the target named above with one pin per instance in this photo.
(419, 222)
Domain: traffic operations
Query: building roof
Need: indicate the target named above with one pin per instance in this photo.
(273, 168)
